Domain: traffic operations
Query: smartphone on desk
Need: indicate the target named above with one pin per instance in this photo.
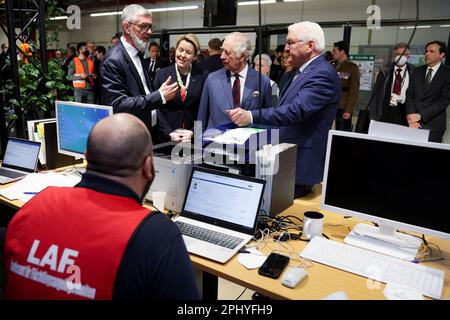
(274, 265)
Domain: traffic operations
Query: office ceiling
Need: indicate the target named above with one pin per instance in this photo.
(93, 4)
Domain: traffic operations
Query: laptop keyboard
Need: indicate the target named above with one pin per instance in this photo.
(204, 234)
(10, 174)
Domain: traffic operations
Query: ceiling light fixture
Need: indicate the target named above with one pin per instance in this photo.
(250, 3)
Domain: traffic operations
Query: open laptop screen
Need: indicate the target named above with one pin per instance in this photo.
(21, 154)
(223, 199)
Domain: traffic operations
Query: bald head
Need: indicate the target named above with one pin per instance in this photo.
(118, 145)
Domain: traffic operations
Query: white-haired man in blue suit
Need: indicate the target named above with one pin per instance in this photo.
(236, 85)
(307, 107)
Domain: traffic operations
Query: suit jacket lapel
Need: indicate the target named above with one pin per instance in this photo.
(248, 94)
(436, 79)
(226, 87)
(194, 83)
(295, 84)
(132, 68)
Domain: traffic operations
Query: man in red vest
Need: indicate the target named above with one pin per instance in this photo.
(96, 240)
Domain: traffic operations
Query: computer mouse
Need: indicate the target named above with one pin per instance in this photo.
(293, 276)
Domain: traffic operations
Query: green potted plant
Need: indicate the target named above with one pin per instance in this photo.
(39, 91)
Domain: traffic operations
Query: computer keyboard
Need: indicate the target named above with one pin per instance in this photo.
(376, 266)
(214, 237)
(10, 174)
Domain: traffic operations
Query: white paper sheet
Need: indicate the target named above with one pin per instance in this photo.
(252, 260)
(29, 186)
(236, 136)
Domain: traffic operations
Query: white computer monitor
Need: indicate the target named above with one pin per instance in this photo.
(397, 184)
(74, 122)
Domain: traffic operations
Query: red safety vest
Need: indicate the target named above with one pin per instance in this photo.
(67, 243)
(81, 84)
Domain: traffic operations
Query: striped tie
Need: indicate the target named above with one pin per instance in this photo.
(237, 92)
(428, 76)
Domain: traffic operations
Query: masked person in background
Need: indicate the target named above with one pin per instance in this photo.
(82, 74)
(388, 99)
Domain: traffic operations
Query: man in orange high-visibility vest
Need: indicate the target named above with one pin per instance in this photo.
(82, 74)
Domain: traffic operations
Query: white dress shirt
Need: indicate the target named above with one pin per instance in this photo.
(435, 69)
(307, 63)
(404, 85)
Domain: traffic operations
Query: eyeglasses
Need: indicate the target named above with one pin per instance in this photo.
(143, 27)
(291, 43)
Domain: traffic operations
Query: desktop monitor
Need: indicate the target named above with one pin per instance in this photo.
(74, 122)
(396, 184)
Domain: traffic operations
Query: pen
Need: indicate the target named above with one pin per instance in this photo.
(30, 192)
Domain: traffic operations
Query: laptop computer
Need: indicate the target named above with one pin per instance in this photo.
(220, 213)
(21, 157)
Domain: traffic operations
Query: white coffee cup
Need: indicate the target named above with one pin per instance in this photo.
(159, 198)
(312, 225)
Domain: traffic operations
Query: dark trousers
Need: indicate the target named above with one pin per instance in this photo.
(84, 95)
(436, 136)
(341, 123)
(394, 114)
(302, 190)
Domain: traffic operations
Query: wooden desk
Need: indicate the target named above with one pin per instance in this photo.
(14, 204)
(17, 204)
(321, 280)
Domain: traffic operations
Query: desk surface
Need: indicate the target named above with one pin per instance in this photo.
(15, 204)
(321, 280)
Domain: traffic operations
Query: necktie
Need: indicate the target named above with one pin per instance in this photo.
(237, 92)
(397, 82)
(428, 76)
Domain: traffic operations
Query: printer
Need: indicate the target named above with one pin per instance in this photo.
(172, 173)
(276, 164)
(259, 155)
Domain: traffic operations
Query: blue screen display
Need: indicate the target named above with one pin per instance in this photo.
(75, 124)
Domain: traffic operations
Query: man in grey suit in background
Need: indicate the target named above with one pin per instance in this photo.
(236, 85)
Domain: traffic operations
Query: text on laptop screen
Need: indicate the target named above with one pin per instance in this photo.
(75, 122)
(21, 153)
(233, 200)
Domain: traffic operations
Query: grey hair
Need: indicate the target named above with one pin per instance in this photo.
(132, 11)
(265, 58)
(309, 31)
(240, 43)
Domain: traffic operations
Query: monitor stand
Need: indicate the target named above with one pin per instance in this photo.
(385, 240)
